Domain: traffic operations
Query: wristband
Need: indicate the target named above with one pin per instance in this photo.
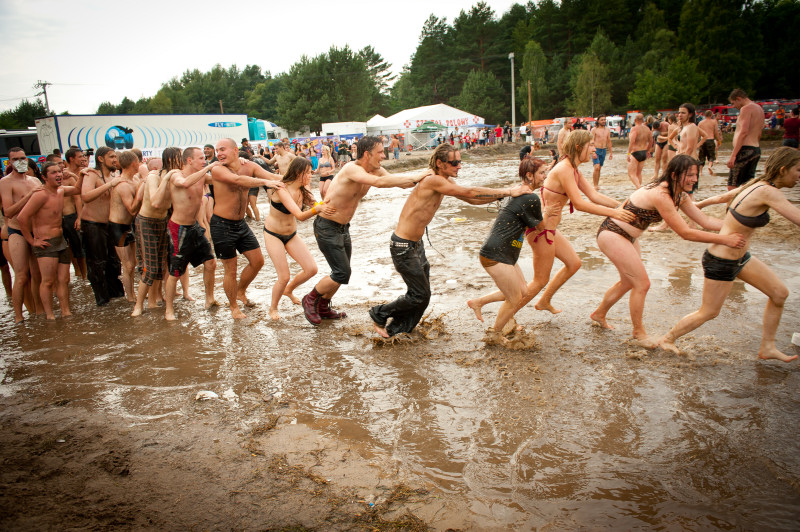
(314, 209)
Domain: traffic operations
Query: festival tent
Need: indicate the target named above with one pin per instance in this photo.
(409, 119)
(424, 136)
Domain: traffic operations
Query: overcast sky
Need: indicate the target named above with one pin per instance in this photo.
(94, 51)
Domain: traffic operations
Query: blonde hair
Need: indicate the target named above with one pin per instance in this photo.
(574, 144)
(782, 158)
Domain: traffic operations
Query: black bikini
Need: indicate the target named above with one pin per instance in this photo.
(280, 207)
(283, 238)
(644, 217)
(750, 221)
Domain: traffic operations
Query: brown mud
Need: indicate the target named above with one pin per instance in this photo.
(329, 428)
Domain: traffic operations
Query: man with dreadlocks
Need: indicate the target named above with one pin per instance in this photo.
(406, 248)
(151, 228)
(102, 263)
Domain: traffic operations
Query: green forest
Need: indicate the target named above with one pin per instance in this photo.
(580, 56)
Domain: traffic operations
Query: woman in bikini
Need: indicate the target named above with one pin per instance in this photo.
(618, 240)
(280, 231)
(325, 169)
(563, 183)
(500, 251)
(748, 210)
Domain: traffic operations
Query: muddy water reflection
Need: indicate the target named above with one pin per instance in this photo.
(583, 430)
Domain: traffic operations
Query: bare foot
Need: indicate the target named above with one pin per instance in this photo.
(169, 316)
(237, 314)
(601, 321)
(546, 306)
(495, 337)
(380, 330)
(50, 317)
(273, 314)
(475, 308)
(137, 311)
(645, 341)
(244, 301)
(660, 227)
(294, 298)
(130, 299)
(669, 346)
(211, 303)
(774, 354)
(187, 297)
(65, 313)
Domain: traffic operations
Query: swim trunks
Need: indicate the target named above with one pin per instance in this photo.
(71, 234)
(187, 244)
(708, 150)
(599, 156)
(661, 144)
(744, 166)
(253, 192)
(640, 155)
(151, 234)
(333, 240)
(719, 269)
(58, 249)
(230, 236)
(121, 234)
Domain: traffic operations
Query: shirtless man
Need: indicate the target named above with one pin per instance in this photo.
(282, 158)
(563, 133)
(229, 232)
(151, 229)
(395, 147)
(640, 143)
(124, 206)
(660, 155)
(73, 206)
(15, 190)
(43, 212)
(186, 237)
(602, 145)
(101, 258)
(746, 148)
(333, 234)
(708, 150)
(406, 247)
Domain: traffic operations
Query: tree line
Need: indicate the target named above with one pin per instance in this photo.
(578, 56)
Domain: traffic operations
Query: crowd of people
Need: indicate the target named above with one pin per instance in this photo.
(124, 216)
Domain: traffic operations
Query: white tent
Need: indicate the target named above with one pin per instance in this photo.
(411, 118)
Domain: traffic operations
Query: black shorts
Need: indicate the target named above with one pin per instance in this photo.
(230, 236)
(121, 234)
(333, 240)
(718, 269)
(707, 150)
(253, 192)
(71, 234)
(744, 167)
(187, 244)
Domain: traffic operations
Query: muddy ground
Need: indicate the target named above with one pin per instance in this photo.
(325, 428)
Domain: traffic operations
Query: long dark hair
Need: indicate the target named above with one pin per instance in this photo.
(171, 159)
(296, 169)
(673, 173)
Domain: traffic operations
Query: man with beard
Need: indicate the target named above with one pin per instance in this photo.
(103, 266)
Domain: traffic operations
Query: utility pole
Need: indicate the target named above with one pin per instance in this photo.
(529, 103)
(43, 85)
(513, 104)
(220, 108)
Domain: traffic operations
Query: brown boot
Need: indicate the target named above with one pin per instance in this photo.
(326, 312)
(311, 305)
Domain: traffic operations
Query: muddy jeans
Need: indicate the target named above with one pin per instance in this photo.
(102, 263)
(406, 311)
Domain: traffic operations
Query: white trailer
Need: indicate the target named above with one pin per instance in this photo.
(149, 133)
(344, 128)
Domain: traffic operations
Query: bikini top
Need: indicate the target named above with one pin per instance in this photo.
(280, 206)
(644, 217)
(325, 164)
(571, 208)
(750, 221)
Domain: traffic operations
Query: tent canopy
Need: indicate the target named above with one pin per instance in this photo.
(428, 127)
(409, 119)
